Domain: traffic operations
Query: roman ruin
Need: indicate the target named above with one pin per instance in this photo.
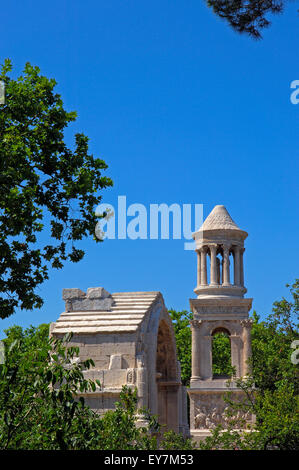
(130, 336)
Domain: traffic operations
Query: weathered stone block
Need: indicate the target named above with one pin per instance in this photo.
(115, 378)
(115, 361)
(97, 293)
(96, 298)
(68, 294)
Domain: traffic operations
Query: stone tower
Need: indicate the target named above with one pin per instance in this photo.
(220, 307)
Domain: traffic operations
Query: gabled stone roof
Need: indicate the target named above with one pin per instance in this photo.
(126, 313)
(219, 219)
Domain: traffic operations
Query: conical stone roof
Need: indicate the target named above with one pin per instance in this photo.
(219, 219)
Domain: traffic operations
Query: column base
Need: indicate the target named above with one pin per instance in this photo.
(195, 378)
(220, 290)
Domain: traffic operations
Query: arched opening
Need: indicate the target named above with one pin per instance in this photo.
(221, 354)
(166, 377)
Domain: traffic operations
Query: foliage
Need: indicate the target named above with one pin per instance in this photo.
(221, 347)
(247, 16)
(182, 332)
(221, 354)
(40, 408)
(271, 393)
(276, 415)
(44, 184)
(40, 381)
(173, 441)
(38, 386)
(271, 344)
(118, 429)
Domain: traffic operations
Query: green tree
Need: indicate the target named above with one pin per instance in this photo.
(247, 16)
(181, 324)
(221, 347)
(272, 343)
(41, 407)
(43, 185)
(276, 415)
(38, 388)
(271, 393)
(221, 354)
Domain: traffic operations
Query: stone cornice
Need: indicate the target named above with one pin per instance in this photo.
(223, 307)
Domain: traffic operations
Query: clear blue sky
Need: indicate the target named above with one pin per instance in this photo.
(183, 110)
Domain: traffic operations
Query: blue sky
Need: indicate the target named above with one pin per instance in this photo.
(183, 110)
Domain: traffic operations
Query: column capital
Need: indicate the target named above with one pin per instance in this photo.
(226, 248)
(213, 245)
(202, 249)
(226, 245)
(195, 323)
(246, 323)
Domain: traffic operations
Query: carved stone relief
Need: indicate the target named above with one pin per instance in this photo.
(212, 411)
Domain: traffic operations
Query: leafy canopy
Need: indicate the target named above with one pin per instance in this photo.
(43, 184)
(181, 325)
(247, 16)
(41, 407)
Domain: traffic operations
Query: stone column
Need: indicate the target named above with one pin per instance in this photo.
(195, 355)
(203, 266)
(142, 382)
(236, 265)
(206, 357)
(198, 268)
(246, 324)
(236, 353)
(241, 267)
(225, 269)
(213, 271)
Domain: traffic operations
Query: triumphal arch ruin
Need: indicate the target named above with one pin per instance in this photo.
(130, 336)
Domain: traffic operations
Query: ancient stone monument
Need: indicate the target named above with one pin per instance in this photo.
(130, 337)
(219, 307)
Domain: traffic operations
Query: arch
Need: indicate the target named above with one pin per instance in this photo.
(220, 329)
(166, 378)
(221, 353)
(166, 368)
(163, 374)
